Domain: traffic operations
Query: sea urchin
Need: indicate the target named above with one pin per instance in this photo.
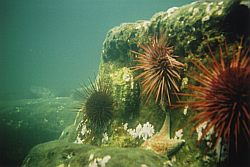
(222, 96)
(159, 70)
(99, 103)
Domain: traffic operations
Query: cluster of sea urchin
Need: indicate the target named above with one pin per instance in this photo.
(222, 96)
(99, 103)
(159, 70)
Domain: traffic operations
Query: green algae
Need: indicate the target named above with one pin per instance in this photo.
(57, 153)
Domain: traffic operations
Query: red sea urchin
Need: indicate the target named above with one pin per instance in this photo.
(159, 70)
(222, 96)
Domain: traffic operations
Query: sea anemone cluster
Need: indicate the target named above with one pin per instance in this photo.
(98, 106)
(159, 70)
(221, 95)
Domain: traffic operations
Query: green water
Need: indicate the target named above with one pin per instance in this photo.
(57, 44)
(53, 45)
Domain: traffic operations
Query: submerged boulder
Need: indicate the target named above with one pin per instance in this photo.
(189, 30)
(64, 154)
(41, 92)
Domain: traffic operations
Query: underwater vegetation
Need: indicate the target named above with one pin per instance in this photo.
(160, 69)
(99, 103)
(221, 96)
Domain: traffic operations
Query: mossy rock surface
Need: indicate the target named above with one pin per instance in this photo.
(59, 154)
(189, 29)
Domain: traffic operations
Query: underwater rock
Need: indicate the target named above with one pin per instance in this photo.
(121, 39)
(71, 132)
(41, 92)
(59, 154)
(188, 28)
(125, 90)
(26, 123)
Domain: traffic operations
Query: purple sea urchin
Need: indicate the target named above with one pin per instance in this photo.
(99, 103)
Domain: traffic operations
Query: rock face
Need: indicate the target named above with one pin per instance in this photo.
(64, 154)
(189, 29)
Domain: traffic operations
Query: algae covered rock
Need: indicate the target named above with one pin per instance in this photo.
(189, 29)
(121, 39)
(59, 154)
